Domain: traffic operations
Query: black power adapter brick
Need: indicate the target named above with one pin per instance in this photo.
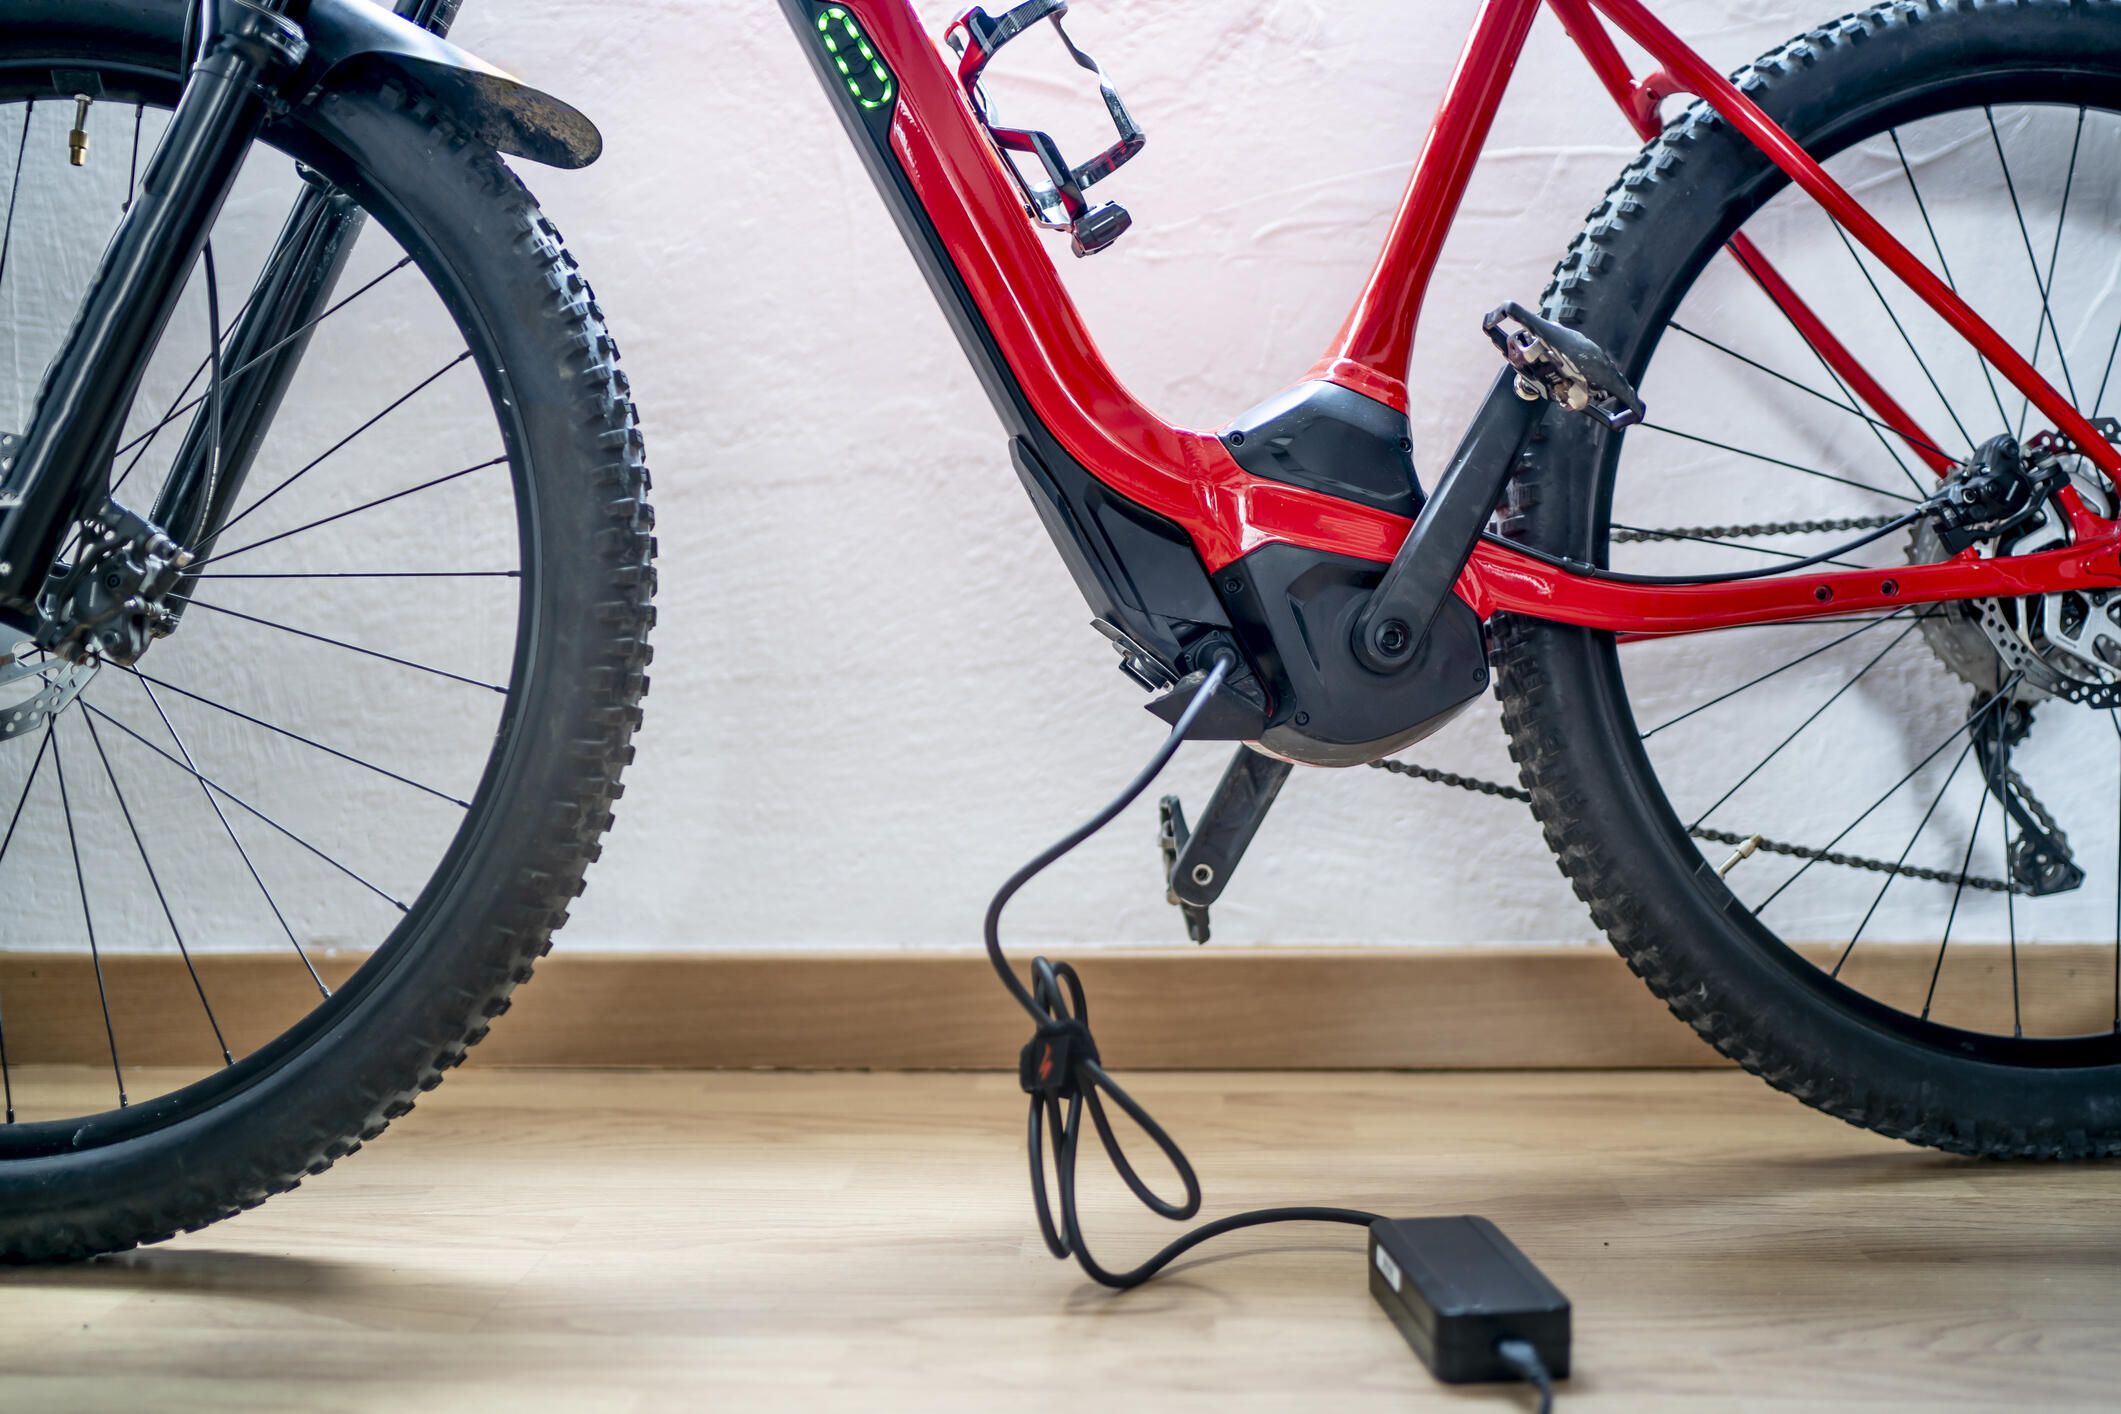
(1473, 1307)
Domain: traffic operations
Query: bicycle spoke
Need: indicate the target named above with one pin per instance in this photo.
(1848, 407)
(1920, 826)
(132, 175)
(2046, 312)
(240, 803)
(216, 398)
(227, 825)
(297, 736)
(1863, 268)
(1775, 461)
(335, 448)
(1983, 710)
(23, 799)
(1776, 672)
(2115, 719)
(144, 443)
(6, 1081)
(2108, 373)
(14, 190)
(88, 920)
(1958, 892)
(1817, 712)
(2001, 771)
(341, 515)
(155, 880)
(350, 647)
(179, 407)
(1945, 267)
(1848, 400)
(140, 444)
(2054, 257)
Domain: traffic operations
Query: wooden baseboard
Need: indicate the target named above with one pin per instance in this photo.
(1153, 1010)
(1256, 1009)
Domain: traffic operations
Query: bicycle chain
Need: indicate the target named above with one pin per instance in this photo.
(1724, 837)
(1750, 532)
(2032, 803)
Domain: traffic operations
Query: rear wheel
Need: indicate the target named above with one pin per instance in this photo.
(1876, 860)
(271, 884)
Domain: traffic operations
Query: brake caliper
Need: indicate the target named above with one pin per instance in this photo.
(108, 603)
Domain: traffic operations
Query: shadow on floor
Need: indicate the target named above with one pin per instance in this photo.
(282, 1278)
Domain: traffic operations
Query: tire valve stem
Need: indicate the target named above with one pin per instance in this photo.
(77, 140)
(1738, 857)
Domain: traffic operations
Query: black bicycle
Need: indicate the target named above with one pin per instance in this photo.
(263, 590)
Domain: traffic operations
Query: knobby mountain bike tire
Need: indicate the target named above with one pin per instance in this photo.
(1766, 957)
(260, 1116)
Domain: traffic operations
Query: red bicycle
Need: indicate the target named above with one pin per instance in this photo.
(1869, 288)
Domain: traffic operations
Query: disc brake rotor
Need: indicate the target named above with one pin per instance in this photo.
(2065, 645)
(51, 686)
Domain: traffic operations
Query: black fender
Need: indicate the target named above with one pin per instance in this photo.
(351, 43)
(351, 40)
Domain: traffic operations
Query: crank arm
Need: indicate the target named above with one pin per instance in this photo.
(1547, 363)
(1390, 630)
(1199, 862)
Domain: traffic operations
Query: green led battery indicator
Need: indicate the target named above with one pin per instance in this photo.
(861, 68)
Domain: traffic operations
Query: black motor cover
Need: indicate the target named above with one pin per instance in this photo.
(1295, 611)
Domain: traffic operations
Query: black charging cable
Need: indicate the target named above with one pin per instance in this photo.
(1520, 1356)
(1061, 1072)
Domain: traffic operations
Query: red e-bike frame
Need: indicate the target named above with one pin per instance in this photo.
(1190, 478)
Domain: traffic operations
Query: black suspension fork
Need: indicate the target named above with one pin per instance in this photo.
(265, 349)
(62, 471)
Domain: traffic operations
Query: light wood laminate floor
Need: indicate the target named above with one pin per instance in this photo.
(587, 1240)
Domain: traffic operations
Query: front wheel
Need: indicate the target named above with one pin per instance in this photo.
(1874, 859)
(376, 756)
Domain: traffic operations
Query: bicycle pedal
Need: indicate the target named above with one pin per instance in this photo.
(1563, 367)
(1058, 203)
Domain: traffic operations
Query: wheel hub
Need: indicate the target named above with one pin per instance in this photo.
(2065, 645)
